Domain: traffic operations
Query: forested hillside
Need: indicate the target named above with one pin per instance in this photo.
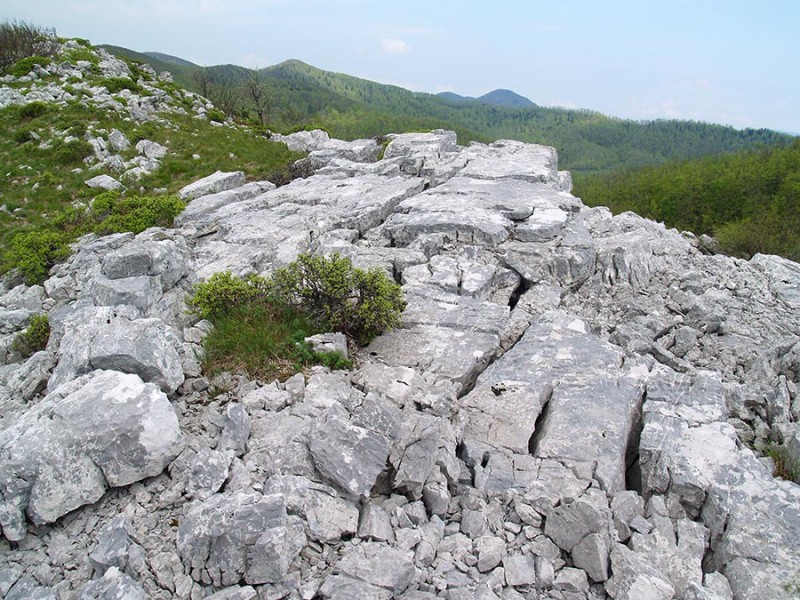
(297, 95)
(750, 201)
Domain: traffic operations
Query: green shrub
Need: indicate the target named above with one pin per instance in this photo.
(333, 360)
(224, 292)
(25, 66)
(34, 338)
(338, 297)
(137, 213)
(31, 110)
(785, 466)
(32, 253)
(117, 84)
(20, 40)
(216, 115)
(71, 152)
(22, 136)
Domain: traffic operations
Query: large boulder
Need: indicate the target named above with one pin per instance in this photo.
(105, 429)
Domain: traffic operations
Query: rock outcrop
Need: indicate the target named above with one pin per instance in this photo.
(576, 406)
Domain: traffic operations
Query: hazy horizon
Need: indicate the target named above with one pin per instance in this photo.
(713, 61)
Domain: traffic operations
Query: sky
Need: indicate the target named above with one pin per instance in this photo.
(732, 62)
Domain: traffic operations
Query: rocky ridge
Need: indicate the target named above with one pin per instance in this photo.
(569, 410)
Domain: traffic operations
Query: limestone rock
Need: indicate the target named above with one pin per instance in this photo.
(103, 182)
(103, 429)
(212, 184)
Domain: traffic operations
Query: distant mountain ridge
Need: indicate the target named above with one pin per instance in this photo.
(499, 97)
(348, 107)
(169, 59)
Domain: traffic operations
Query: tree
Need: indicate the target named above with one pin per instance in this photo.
(19, 40)
(257, 92)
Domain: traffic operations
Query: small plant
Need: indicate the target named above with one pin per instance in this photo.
(32, 253)
(71, 152)
(34, 338)
(20, 40)
(113, 213)
(338, 297)
(25, 66)
(31, 110)
(115, 85)
(216, 115)
(224, 292)
(22, 136)
(785, 466)
(333, 360)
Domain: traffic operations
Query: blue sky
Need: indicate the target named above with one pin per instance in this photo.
(732, 62)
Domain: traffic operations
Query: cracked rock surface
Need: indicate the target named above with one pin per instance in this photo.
(576, 406)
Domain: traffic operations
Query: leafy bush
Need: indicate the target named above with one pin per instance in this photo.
(35, 251)
(20, 40)
(22, 136)
(338, 297)
(24, 66)
(224, 292)
(255, 331)
(216, 115)
(117, 84)
(31, 110)
(34, 338)
(32, 253)
(71, 152)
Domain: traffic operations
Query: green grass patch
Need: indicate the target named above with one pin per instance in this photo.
(34, 338)
(260, 325)
(114, 85)
(25, 66)
(785, 467)
(34, 252)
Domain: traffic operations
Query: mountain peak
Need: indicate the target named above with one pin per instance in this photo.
(503, 97)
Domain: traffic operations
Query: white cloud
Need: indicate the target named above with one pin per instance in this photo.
(394, 47)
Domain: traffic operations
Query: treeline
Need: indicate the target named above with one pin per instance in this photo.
(293, 95)
(749, 201)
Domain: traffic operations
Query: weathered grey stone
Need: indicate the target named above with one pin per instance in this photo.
(350, 451)
(212, 184)
(118, 141)
(374, 524)
(116, 548)
(113, 584)
(209, 471)
(368, 562)
(520, 569)
(342, 587)
(329, 342)
(636, 579)
(491, 552)
(151, 149)
(509, 159)
(103, 182)
(238, 592)
(31, 377)
(96, 339)
(103, 429)
(591, 555)
(571, 580)
(233, 536)
(236, 430)
(26, 588)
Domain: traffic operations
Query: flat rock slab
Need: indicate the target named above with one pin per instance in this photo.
(508, 159)
(105, 429)
(448, 353)
(212, 184)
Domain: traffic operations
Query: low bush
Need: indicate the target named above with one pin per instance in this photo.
(216, 115)
(34, 338)
(32, 253)
(72, 152)
(31, 110)
(20, 40)
(115, 85)
(260, 325)
(35, 251)
(338, 297)
(224, 292)
(25, 66)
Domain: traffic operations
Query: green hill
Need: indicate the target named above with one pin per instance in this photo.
(349, 107)
(506, 98)
(750, 200)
